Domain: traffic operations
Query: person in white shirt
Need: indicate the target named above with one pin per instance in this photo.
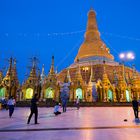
(77, 103)
(56, 109)
(11, 103)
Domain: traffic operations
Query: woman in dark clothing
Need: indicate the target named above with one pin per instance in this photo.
(135, 106)
(34, 109)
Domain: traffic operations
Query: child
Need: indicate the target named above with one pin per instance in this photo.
(56, 109)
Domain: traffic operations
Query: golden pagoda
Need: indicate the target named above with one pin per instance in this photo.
(94, 66)
(10, 83)
(31, 85)
(93, 47)
(50, 88)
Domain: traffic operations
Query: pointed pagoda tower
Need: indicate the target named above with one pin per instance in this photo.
(50, 87)
(122, 86)
(93, 48)
(30, 87)
(10, 82)
(78, 76)
(108, 93)
(7, 80)
(42, 76)
(79, 85)
(14, 72)
(52, 76)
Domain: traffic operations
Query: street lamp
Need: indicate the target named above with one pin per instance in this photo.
(122, 56)
(126, 57)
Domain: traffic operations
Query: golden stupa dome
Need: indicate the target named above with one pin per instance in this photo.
(93, 47)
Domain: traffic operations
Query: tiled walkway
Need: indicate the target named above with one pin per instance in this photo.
(88, 123)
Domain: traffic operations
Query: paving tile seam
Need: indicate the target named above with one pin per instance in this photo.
(70, 128)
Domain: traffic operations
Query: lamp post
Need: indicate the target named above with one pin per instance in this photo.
(126, 57)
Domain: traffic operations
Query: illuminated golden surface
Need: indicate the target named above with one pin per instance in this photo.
(93, 46)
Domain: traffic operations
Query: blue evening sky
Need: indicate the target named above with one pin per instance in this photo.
(28, 27)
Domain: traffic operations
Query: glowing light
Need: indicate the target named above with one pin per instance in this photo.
(79, 93)
(133, 57)
(129, 55)
(122, 55)
(29, 93)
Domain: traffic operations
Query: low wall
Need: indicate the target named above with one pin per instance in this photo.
(72, 104)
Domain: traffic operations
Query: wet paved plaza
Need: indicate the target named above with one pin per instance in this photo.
(88, 123)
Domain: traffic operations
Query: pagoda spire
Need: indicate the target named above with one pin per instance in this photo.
(42, 76)
(9, 71)
(93, 47)
(78, 77)
(33, 73)
(14, 71)
(92, 32)
(105, 77)
(52, 66)
(42, 73)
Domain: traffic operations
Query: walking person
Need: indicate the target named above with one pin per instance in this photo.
(11, 104)
(77, 103)
(135, 105)
(34, 109)
(64, 103)
(56, 109)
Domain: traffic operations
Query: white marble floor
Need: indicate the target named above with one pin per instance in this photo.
(88, 123)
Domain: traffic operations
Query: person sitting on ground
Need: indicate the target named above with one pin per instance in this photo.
(56, 109)
(135, 106)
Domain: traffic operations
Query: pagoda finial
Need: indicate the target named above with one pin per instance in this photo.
(42, 69)
(42, 76)
(9, 72)
(15, 62)
(52, 66)
(105, 77)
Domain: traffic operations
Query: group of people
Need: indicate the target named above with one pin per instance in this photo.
(64, 105)
(34, 108)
